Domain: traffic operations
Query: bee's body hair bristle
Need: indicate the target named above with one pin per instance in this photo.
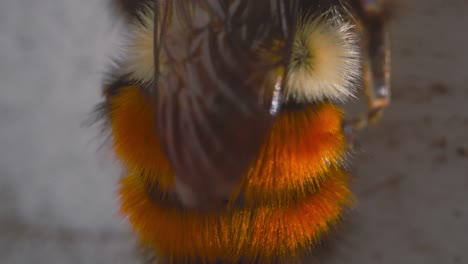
(130, 9)
(139, 62)
(326, 62)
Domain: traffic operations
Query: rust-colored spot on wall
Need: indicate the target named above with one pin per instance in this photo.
(440, 89)
(462, 152)
(439, 143)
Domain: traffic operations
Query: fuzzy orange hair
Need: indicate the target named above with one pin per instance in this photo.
(293, 191)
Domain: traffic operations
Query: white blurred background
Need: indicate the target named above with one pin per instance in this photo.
(58, 191)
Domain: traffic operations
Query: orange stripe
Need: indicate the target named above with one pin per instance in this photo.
(135, 138)
(293, 189)
(300, 149)
(267, 232)
(298, 152)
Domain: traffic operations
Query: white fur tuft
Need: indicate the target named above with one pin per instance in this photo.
(139, 62)
(325, 60)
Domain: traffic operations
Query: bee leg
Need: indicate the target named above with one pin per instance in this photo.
(377, 72)
(372, 16)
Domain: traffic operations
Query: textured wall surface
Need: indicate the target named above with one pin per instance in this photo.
(57, 193)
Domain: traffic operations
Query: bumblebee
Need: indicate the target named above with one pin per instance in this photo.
(227, 117)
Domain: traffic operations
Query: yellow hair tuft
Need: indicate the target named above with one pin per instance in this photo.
(325, 59)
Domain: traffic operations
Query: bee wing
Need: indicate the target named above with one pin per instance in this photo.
(213, 94)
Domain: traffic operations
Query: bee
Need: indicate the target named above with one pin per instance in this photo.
(228, 119)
